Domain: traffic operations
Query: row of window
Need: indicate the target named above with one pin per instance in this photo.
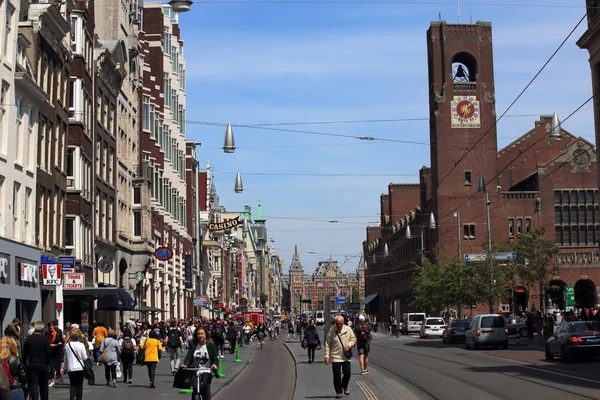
(576, 197)
(166, 195)
(50, 225)
(79, 172)
(105, 161)
(78, 238)
(104, 216)
(7, 33)
(20, 204)
(80, 104)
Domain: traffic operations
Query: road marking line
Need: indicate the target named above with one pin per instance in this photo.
(561, 374)
(367, 391)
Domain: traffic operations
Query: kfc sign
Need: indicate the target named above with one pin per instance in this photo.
(29, 273)
(51, 274)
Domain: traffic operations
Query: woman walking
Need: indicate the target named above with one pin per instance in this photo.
(128, 348)
(111, 346)
(18, 377)
(75, 354)
(152, 350)
(312, 339)
(36, 357)
(201, 354)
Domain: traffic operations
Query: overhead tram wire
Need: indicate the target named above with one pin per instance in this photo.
(514, 101)
(518, 155)
(384, 2)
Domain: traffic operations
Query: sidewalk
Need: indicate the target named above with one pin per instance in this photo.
(315, 381)
(139, 390)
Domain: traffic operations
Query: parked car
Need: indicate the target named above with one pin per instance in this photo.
(432, 327)
(411, 322)
(516, 326)
(455, 331)
(574, 339)
(487, 330)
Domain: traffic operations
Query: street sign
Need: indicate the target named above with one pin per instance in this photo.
(198, 302)
(74, 281)
(505, 256)
(570, 297)
(68, 264)
(340, 300)
(51, 274)
(475, 257)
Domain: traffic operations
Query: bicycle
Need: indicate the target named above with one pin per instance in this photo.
(199, 383)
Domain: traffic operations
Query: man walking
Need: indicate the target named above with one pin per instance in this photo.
(174, 346)
(363, 334)
(339, 341)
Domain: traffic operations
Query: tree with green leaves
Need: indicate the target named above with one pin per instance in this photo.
(534, 261)
(354, 298)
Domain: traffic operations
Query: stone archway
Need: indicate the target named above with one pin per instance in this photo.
(556, 294)
(585, 293)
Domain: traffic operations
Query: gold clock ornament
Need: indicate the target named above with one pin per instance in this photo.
(465, 112)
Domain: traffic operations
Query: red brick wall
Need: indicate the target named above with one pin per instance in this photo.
(402, 197)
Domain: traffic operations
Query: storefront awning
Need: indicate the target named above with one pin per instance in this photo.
(146, 309)
(121, 301)
(92, 292)
(370, 298)
(210, 243)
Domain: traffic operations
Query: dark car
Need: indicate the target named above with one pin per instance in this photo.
(516, 326)
(574, 339)
(455, 331)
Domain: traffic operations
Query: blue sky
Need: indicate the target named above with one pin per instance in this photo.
(265, 63)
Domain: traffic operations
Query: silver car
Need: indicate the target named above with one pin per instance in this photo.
(487, 330)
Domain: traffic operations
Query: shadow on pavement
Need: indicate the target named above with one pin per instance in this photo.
(319, 397)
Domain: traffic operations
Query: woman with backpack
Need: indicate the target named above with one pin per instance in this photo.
(128, 347)
(312, 340)
(13, 368)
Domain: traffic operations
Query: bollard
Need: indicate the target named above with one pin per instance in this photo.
(237, 356)
(220, 369)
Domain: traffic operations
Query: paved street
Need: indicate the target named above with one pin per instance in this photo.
(437, 371)
(139, 390)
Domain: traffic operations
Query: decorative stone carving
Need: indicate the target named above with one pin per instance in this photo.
(590, 257)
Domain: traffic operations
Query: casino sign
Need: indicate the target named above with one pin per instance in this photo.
(227, 224)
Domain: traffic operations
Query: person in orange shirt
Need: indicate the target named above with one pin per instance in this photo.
(98, 334)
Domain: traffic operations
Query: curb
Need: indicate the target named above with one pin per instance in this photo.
(295, 367)
(229, 380)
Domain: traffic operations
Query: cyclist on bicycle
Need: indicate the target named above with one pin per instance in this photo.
(261, 333)
(202, 355)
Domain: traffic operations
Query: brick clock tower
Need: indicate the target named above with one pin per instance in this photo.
(462, 118)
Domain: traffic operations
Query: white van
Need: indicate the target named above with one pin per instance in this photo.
(411, 323)
(320, 318)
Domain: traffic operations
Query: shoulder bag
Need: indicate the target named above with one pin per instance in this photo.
(348, 353)
(103, 359)
(88, 370)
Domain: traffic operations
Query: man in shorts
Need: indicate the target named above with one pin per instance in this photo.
(363, 334)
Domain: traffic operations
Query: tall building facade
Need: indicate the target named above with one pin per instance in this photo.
(544, 179)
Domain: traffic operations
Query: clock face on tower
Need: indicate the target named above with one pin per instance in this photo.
(465, 112)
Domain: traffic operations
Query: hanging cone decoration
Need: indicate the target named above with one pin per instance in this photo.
(555, 127)
(229, 142)
(408, 234)
(239, 186)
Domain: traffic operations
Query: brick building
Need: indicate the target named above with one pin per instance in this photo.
(328, 279)
(546, 178)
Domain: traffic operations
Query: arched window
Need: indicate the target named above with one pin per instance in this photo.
(464, 68)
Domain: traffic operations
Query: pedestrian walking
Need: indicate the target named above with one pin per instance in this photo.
(128, 347)
(110, 345)
(201, 354)
(312, 339)
(14, 330)
(36, 357)
(98, 336)
(218, 336)
(338, 345)
(246, 331)
(363, 334)
(74, 355)
(174, 346)
(152, 347)
(13, 367)
(55, 335)
(232, 336)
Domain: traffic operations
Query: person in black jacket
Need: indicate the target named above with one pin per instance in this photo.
(201, 354)
(36, 357)
(312, 339)
(9, 354)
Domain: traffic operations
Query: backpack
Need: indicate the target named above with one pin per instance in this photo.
(174, 335)
(219, 330)
(364, 336)
(6, 368)
(127, 347)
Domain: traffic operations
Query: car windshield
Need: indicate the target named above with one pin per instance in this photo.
(416, 317)
(588, 326)
(460, 324)
(492, 322)
(435, 321)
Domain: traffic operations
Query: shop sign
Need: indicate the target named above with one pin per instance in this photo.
(3, 269)
(51, 274)
(188, 271)
(74, 281)
(29, 273)
(163, 253)
(227, 224)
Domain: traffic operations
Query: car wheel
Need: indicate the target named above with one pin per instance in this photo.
(523, 332)
(548, 353)
(505, 345)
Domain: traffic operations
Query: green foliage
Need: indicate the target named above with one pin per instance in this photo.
(355, 297)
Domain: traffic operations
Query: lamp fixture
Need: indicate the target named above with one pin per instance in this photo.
(229, 142)
(408, 234)
(239, 186)
(555, 128)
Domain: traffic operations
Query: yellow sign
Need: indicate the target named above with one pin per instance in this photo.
(227, 224)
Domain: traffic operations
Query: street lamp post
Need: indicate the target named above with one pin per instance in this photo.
(483, 190)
